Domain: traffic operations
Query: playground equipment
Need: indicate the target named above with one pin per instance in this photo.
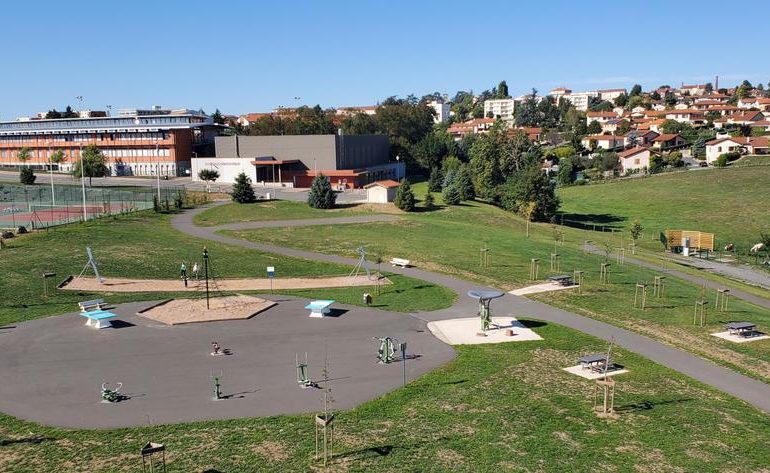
(362, 263)
(485, 298)
(217, 380)
(111, 394)
(303, 378)
(387, 350)
(91, 263)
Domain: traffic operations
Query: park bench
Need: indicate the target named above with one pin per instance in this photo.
(404, 263)
(742, 329)
(561, 280)
(595, 362)
(98, 318)
(95, 304)
(319, 308)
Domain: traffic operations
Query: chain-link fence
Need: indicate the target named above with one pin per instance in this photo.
(35, 206)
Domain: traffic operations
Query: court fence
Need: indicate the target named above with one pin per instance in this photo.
(35, 206)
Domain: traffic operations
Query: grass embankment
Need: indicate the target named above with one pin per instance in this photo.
(449, 240)
(496, 407)
(144, 245)
(274, 210)
(727, 202)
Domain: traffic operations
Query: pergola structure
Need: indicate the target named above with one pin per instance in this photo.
(485, 298)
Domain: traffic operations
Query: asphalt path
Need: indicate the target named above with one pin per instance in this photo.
(743, 387)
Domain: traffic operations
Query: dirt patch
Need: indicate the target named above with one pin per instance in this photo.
(449, 458)
(187, 311)
(245, 284)
(272, 451)
(567, 439)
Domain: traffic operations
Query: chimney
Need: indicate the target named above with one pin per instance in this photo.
(716, 83)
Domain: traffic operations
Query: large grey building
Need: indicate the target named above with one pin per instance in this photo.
(347, 160)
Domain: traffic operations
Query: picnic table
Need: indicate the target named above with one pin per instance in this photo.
(562, 279)
(594, 361)
(319, 308)
(741, 329)
(98, 318)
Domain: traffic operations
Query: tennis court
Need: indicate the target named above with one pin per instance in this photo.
(35, 206)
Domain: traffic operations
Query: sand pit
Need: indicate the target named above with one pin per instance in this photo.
(90, 284)
(591, 374)
(188, 311)
(464, 331)
(538, 288)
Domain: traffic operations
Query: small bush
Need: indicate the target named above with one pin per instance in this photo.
(452, 195)
(27, 176)
(242, 192)
(321, 195)
(429, 201)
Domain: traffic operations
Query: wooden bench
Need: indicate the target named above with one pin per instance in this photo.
(404, 263)
(95, 304)
(98, 318)
(319, 308)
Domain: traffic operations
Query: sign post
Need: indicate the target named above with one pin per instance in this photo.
(270, 276)
(402, 346)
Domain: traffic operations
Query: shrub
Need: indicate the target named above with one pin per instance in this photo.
(404, 199)
(27, 176)
(242, 192)
(452, 195)
(429, 201)
(464, 183)
(434, 182)
(321, 195)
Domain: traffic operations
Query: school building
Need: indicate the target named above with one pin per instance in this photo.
(135, 142)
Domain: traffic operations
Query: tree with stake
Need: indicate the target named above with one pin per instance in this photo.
(92, 162)
(404, 199)
(26, 175)
(242, 192)
(208, 176)
(527, 209)
(636, 232)
(321, 195)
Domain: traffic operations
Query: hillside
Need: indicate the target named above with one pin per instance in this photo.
(731, 202)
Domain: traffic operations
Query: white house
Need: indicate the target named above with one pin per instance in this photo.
(381, 192)
(601, 117)
(637, 158)
(747, 118)
(610, 94)
(694, 89)
(500, 108)
(741, 144)
(441, 109)
(602, 141)
(686, 115)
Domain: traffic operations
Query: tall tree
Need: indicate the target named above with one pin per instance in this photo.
(360, 124)
(217, 117)
(24, 155)
(531, 185)
(242, 191)
(635, 90)
(464, 183)
(404, 198)
(321, 195)
(406, 122)
(527, 113)
(502, 90)
(92, 162)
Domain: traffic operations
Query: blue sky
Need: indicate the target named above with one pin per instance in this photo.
(253, 56)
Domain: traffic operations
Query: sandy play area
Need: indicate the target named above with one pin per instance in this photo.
(538, 288)
(464, 331)
(187, 311)
(256, 284)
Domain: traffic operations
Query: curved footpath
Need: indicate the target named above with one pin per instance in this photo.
(750, 390)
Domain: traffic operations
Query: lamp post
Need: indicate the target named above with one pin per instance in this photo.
(398, 168)
(50, 173)
(157, 170)
(83, 182)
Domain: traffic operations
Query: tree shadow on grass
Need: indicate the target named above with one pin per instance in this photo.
(588, 220)
(383, 450)
(649, 405)
(34, 440)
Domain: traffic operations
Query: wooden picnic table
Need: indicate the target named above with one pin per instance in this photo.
(741, 329)
(594, 361)
(562, 279)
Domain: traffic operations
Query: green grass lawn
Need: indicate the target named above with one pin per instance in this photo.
(272, 210)
(727, 202)
(449, 240)
(752, 160)
(505, 407)
(144, 245)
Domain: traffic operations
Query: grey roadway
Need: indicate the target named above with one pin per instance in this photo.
(743, 387)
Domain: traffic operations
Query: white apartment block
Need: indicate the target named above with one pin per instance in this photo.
(610, 94)
(581, 100)
(442, 111)
(500, 108)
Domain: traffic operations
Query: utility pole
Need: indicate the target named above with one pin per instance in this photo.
(83, 182)
(206, 273)
(157, 169)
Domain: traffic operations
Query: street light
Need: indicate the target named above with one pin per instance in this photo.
(83, 182)
(157, 169)
(50, 172)
(398, 168)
